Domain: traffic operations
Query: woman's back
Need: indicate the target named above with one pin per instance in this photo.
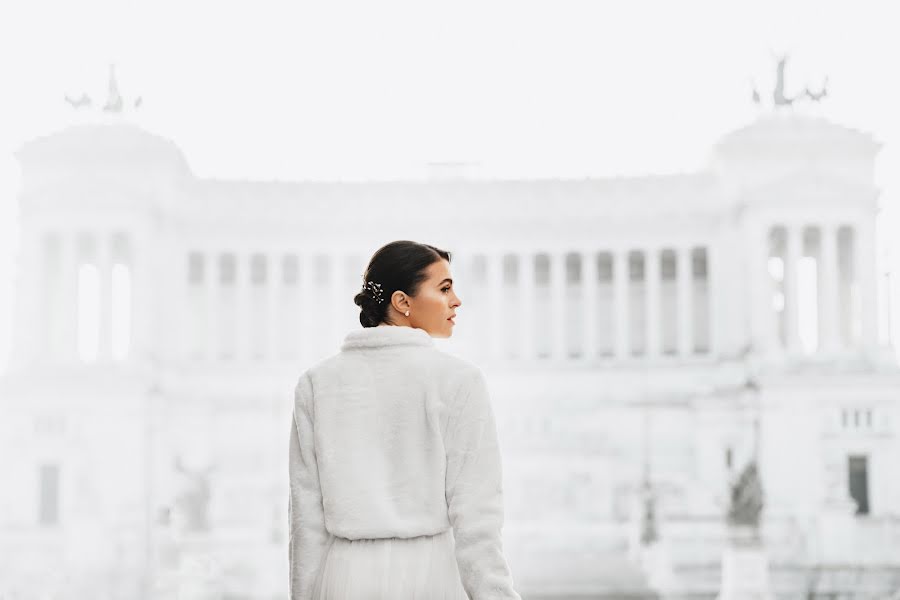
(381, 409)
(396, 439)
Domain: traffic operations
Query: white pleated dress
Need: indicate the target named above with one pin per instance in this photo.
(417, 568)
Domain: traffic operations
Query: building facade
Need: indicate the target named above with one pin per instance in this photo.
(645, 338)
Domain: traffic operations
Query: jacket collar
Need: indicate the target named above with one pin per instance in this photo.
(386, 335)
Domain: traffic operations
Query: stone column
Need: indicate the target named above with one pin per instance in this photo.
(212, 287)
(589, 276)
(154, 310)
(527, 285)
(685, 307)
(68, 299)
(273, 285)
(828, 273)
(34, 301)
(621, 295)
(767, 324)
(307, 304)
(337, 300)
(242, 337)
(153, 305)
(651, 279)
(712, 281)
(104, 269)
(558, 304)
(494, 265)
(792, 242)
(866, 267)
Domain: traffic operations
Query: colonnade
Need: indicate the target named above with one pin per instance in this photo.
(259, 305)
(75, 296)
(833, 306)
(601, 280)
(244, 304)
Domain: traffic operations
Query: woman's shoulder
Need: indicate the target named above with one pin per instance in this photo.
(455, 365)
(461, 375)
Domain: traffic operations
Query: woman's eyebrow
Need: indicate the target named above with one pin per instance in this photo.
(445, 280)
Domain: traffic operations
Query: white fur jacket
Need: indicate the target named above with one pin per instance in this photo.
(393, 437)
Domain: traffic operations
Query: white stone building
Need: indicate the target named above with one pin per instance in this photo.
(640, 334)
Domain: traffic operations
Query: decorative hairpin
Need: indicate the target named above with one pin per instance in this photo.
(374, 290)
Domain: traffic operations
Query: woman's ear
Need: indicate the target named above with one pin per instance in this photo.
(402, 301)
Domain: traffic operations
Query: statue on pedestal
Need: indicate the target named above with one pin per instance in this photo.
(192, 500)
(745, 566)
(746, 498)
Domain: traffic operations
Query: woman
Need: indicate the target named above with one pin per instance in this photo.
(395, 471)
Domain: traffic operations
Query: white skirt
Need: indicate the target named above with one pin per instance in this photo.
(393, 568)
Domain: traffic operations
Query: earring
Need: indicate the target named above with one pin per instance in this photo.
(407, 313)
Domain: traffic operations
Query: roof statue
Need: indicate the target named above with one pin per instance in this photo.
(779, 94)
(817, 96)
(113, 97)
(84, 100)
(115, 102)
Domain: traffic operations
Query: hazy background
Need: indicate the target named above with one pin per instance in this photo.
(385, 90)
(377, 90)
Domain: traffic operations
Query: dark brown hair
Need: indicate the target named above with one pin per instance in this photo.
(399, 265)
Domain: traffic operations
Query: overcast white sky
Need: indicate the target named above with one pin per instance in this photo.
(293, 90)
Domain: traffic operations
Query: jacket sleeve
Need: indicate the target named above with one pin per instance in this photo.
(308, 536)
(474, 494)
